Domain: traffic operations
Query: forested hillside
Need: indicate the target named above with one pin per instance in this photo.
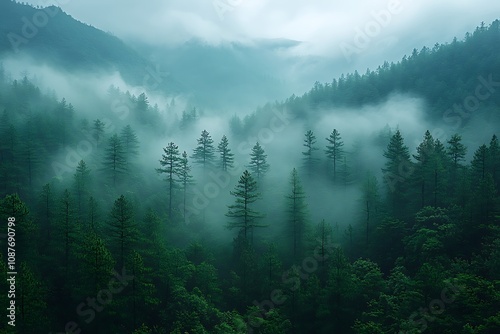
(50, 36)
(443, 74)
(137, 218)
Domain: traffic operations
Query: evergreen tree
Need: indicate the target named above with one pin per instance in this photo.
(26, 232)
(122, 228)
(81, 185)
(258, 161)
(130, 143)
(310, 160)
(243, 216)
(170, 165)
(93, 214)
(115, 162)
(204, 153)
(479, 164)
(456, 152)
(98, 131)
(142, 108)
(424, 167)
(31, 303)
(67, 229)
(185, 178)
(494, 161)
(323, 234)
(226, 157)
(9, 156)
(65, 113)
(30, 152)
(334, 150)
(296, 216)
(142, 293)
(398, 168)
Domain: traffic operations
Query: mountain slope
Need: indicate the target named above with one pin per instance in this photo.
(50, 35)
(445, 75)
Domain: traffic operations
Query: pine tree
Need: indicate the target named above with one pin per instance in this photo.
(122, 228)
(456, 152)
(130, 143)
(67, 229)
(115, 163)
(494, 161)
(226, 157)
(142, 299)
(98, 131)
(31, 296)
(65, 113)
(97, 263)
(93, 214)
(334, 150)
(26, 231)
(170, 165)
(479, 164)
(81, 185)
(142, 108)
(424, 166)
(243, 216)
(397, 170)
(258, 161)
(185, 178)
(10, 167)
(440, 163)
(297, 216)
(30, 152)
(310, 160)
(204, 153)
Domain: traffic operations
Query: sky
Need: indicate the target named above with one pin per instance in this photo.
(325, 27)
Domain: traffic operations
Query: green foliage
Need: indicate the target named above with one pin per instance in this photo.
(258, 161)
(204, 153)
(243, 215)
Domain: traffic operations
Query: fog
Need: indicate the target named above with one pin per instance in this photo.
(279, 132)
(305, 51)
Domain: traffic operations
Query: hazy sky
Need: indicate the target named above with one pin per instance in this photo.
(324, 24)
(348, 32)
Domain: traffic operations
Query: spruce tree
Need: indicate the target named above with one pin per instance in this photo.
(296, 216)
(171, 166)
(114, 161)
(494, 161)
(397, 171)
(226, 157)
(204, 153)
(243, 215)
(122, 229)
(258, 161)
(424, 168)
(456, 152)
(98, 131)
(185, 178)
(334, 150)
(82, 187)
(310, 160)
(130, 143)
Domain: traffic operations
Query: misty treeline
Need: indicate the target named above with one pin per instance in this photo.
(208, 238)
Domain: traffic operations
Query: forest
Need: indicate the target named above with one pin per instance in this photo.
(138, 216)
